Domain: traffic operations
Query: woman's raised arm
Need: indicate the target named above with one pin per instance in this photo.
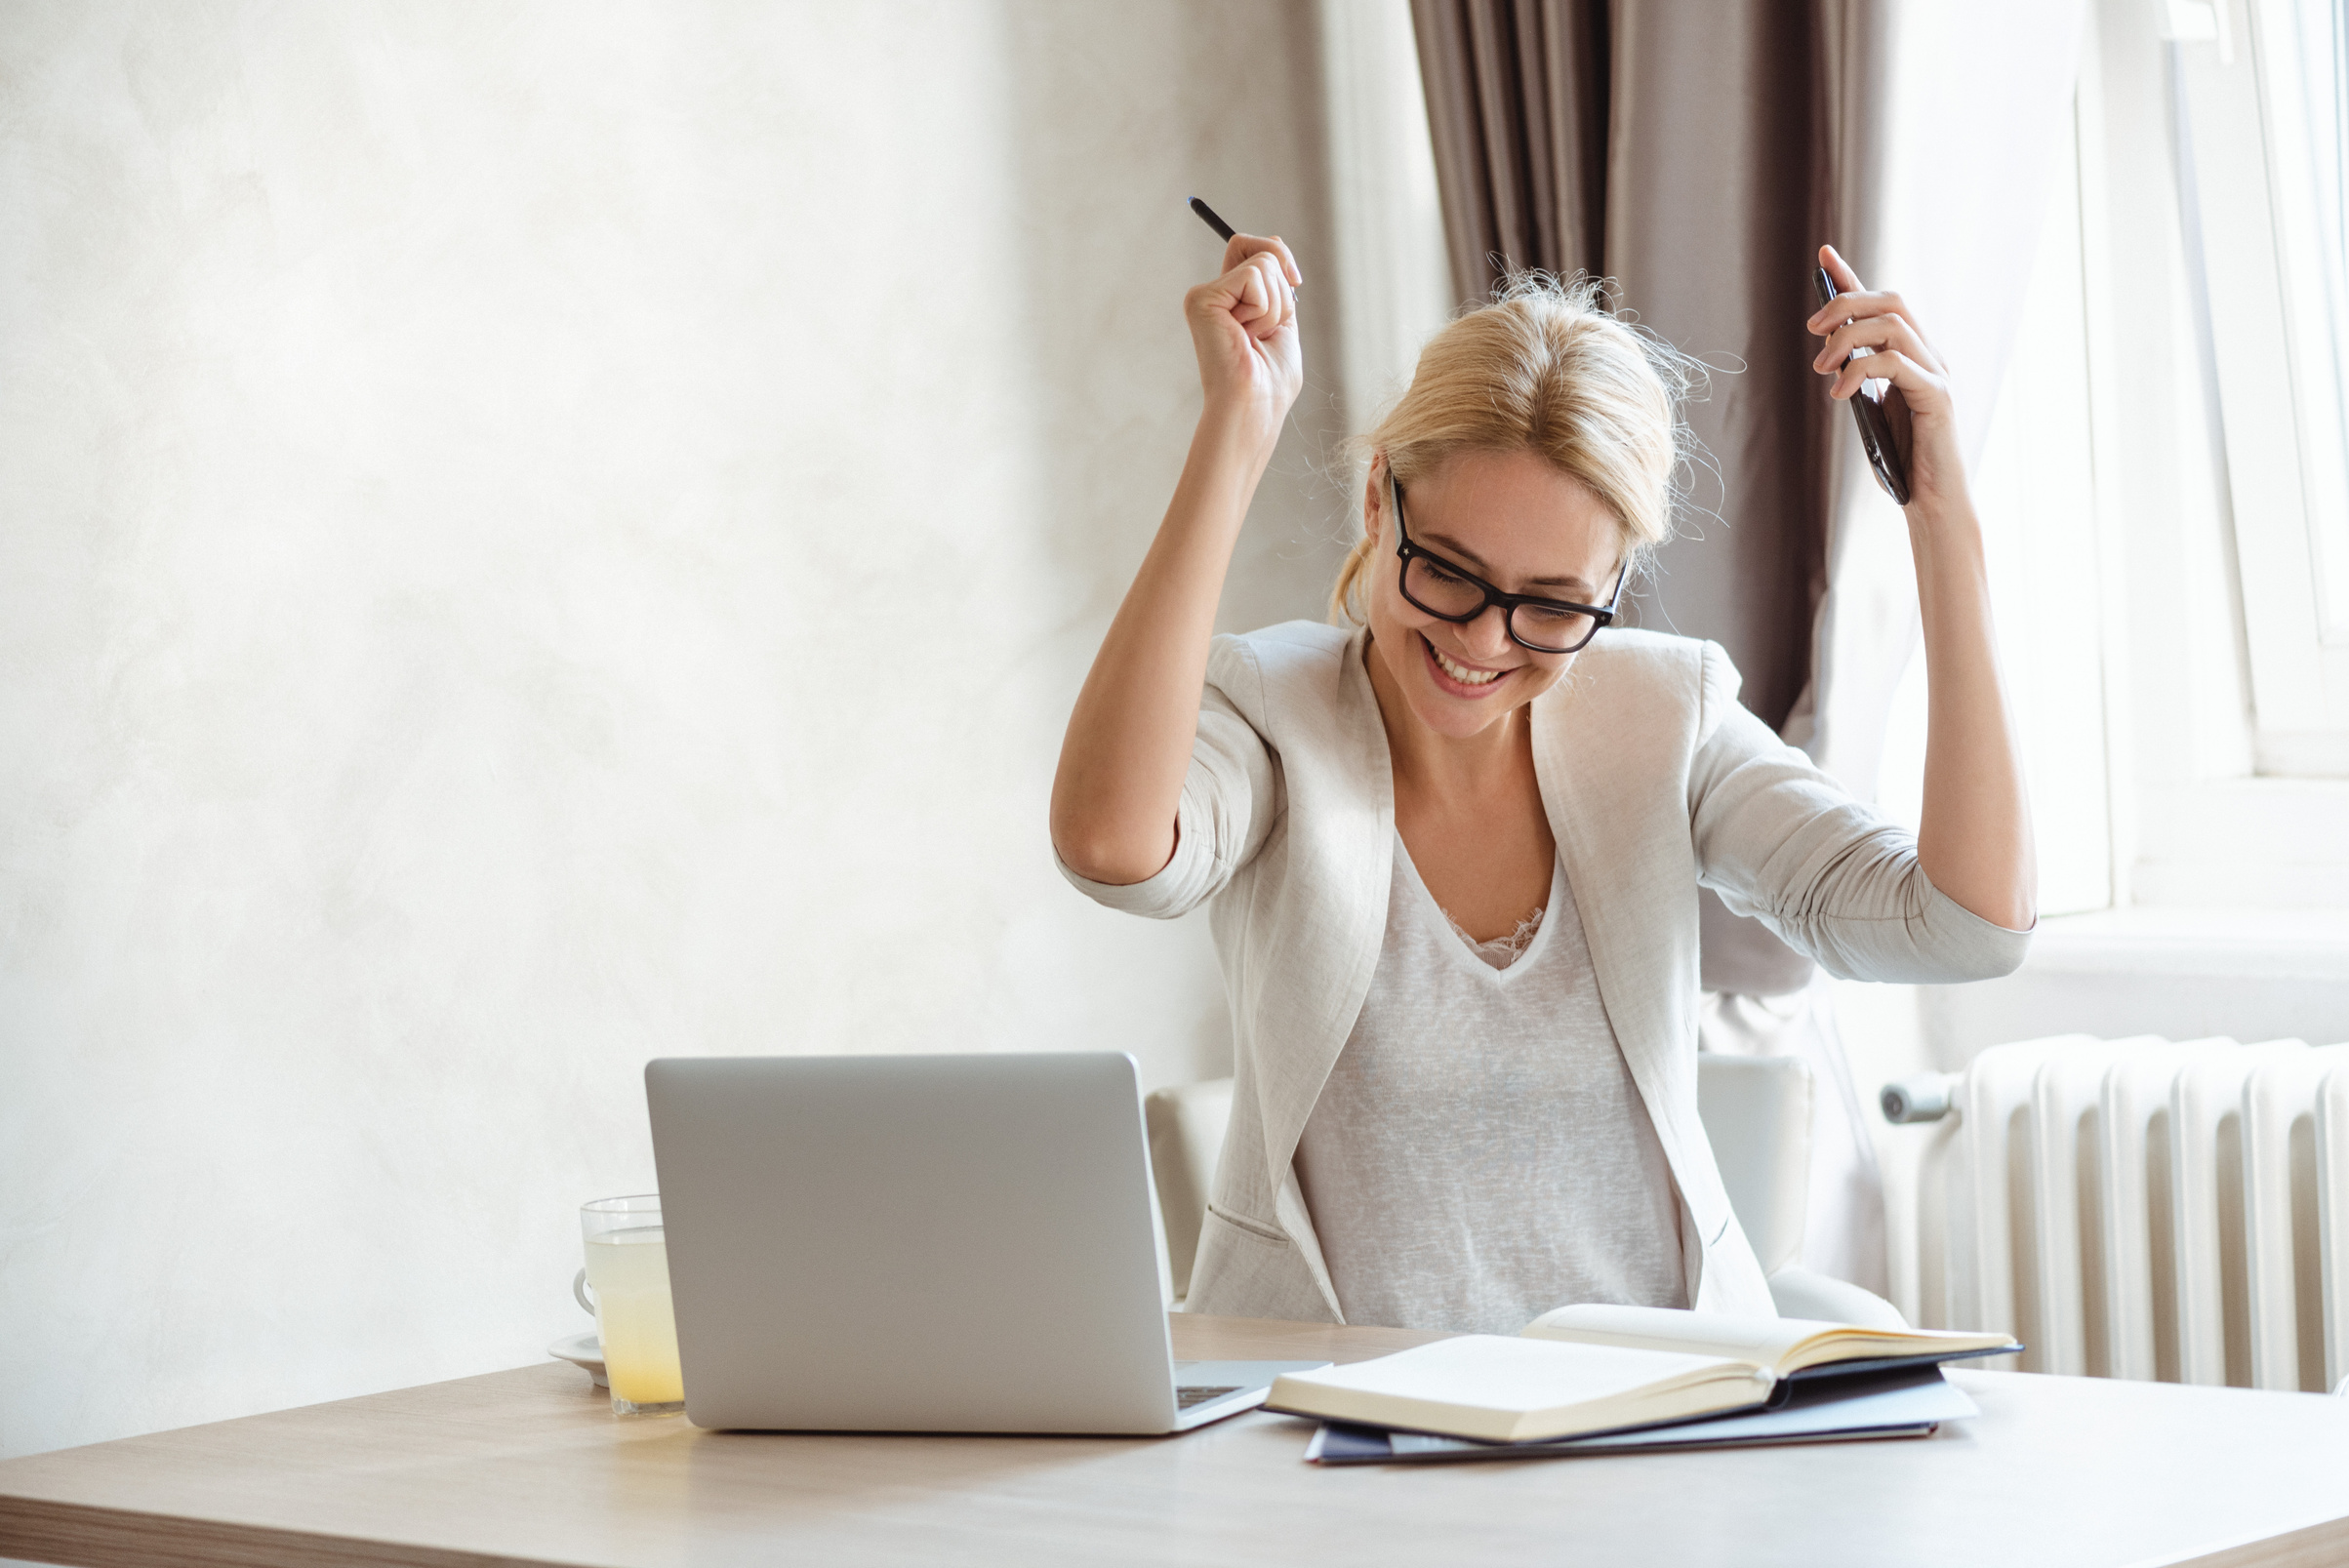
(1974, 842)
(1128, 746)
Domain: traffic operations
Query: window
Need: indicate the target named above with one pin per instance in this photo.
(2260, 113)
(2164, 485)
(2034, 484)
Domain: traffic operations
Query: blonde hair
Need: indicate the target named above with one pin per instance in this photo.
(1545, 368)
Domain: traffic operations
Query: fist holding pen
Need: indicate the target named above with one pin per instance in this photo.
(1244, 326)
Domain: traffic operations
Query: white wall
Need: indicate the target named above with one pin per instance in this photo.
(534, 538)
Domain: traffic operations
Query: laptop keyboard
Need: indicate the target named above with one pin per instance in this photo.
(1195, 1393)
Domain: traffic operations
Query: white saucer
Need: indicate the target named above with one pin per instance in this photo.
(581, 1350)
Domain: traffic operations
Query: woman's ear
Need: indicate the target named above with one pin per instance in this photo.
(1371, 487)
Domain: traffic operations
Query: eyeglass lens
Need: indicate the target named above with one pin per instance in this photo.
(1438, 591)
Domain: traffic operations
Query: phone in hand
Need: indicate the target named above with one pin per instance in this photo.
(1884, 455)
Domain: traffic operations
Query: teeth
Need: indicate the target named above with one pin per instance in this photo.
(1462, 674)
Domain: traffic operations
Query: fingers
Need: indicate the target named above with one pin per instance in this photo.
(1256, 294)
(1251, 292)
(1255, 298)
(1241, 247)
(1887, 330)
(1854, 307)
(1853, 303)
(1838, 270)
(1851, 299)
(1263, 299)
(1922, 386)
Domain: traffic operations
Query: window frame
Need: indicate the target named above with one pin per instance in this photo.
(2206, 812)
(2237, 138)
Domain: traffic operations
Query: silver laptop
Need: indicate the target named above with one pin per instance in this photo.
(945, 1243)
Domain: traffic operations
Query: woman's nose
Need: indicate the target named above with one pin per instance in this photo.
(1487, 638)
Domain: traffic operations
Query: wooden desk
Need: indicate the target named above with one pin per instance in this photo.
(530, 1466)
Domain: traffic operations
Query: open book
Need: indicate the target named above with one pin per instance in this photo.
(1865, 1407)
(1595, 1369)
(1500, 1389)
(1788, 1345)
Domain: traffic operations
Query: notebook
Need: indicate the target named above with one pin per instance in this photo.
(1789, 1347)
(1907, 1402)
(1502, 1389)
(1582, 1369)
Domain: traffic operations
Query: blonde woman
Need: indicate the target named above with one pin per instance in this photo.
(1452, 846)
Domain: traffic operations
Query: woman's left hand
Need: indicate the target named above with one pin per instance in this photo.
(1974, 836)
(1922, 419)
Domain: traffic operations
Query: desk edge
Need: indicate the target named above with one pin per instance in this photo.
(82, 1535)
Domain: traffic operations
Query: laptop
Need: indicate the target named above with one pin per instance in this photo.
(922, 1243)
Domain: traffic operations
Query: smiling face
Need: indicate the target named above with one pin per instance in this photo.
(1523, 526)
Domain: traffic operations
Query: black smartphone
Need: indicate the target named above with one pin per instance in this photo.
(1884, 455)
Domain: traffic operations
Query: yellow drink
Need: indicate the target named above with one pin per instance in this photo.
(628, 1271)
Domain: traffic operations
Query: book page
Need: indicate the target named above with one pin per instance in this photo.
(1783, 1344)
(1500, 1388)
(1765, 1341)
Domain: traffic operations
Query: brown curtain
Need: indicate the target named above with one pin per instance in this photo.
(1693, 153)
(1690, 152)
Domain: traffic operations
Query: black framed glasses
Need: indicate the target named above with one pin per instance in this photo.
(1451, 593)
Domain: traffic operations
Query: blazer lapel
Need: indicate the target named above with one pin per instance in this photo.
(1345, 875)
(1633, 875)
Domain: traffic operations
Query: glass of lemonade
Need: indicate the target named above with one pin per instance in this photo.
(627, 1269)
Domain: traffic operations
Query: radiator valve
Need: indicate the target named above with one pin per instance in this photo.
(1928, 1097)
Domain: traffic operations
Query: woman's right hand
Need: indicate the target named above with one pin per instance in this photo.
(1119, 788)
(1244, 326)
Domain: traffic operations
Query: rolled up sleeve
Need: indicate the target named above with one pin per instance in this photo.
(1780, 840)
(1230, 799)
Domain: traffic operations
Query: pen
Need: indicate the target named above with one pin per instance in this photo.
(1223, 230)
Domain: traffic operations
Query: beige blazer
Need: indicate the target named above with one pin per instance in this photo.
(1654, 779)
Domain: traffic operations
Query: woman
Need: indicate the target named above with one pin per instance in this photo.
(1453, 848)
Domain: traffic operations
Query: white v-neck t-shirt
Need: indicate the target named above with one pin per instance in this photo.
(1480, 1153)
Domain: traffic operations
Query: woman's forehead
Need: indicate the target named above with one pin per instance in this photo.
(1516, 515)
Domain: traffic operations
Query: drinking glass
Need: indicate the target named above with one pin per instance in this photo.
(627, 1270)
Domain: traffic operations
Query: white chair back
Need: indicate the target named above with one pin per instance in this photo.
(1756, 1113)
(1757, 1116)
(1186, 1127)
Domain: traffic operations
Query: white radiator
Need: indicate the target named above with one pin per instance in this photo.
(2142, 1208)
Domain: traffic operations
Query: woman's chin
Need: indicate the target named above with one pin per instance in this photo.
(1456, 719)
